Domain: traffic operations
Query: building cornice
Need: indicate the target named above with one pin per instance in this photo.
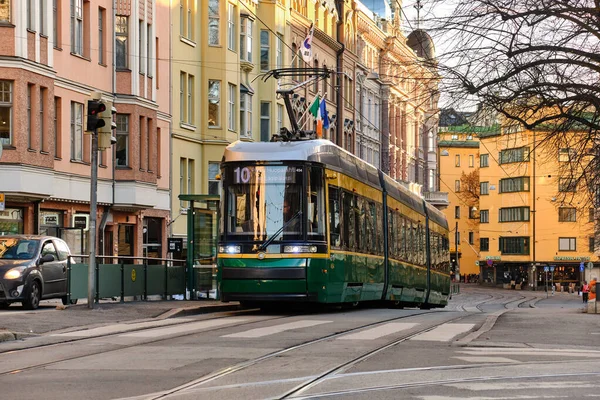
(27, 65)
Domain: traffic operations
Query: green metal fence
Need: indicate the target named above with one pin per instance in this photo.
(138, 278)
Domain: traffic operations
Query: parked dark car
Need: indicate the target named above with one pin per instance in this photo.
(32, 268)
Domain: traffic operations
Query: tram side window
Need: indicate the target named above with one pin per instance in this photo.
(401, 240)
(361, 222)
(423, 244)
(316, 205)
(348, 222)
(379, 233)
(392, 232)
(334, 217)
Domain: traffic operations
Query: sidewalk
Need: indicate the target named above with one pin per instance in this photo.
(52, 316)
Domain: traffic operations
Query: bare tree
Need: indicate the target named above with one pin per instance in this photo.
(469, 193)
(537, 63)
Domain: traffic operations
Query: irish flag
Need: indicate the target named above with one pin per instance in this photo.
(322, 119)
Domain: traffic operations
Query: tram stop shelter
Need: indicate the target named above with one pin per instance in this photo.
(202, 231)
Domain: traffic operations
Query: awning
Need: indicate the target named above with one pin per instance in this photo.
(246, 90)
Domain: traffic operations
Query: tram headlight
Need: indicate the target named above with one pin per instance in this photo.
(230, 249)
(300, 249)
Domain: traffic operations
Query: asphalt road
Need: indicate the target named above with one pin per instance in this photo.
(487, 343)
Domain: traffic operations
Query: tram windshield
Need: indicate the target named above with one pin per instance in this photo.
(270, 203)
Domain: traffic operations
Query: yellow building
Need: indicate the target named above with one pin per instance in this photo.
(531, 230)
(219, 50)
(458, 155)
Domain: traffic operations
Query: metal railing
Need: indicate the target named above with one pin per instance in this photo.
(136, 277)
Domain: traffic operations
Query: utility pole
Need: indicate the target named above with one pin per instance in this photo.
(457, 271)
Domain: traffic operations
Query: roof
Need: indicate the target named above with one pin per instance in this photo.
(422, 44)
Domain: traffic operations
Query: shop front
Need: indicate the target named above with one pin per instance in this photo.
(11, 221)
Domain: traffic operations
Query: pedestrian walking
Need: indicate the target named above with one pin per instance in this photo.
(585, 290)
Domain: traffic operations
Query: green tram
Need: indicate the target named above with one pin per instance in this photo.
(306, 221)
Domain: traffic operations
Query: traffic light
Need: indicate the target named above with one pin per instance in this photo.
(94, 109)
(106, 136)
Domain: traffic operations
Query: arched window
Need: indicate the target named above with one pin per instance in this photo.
(325, 83)
(294, 59)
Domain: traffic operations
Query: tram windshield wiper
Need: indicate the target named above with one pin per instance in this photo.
(270, 240)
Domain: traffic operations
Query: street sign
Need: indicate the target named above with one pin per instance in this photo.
(1, 197)
(546, 269)
(489, 262)
(590, 265)
(552, 267)
(581, 268)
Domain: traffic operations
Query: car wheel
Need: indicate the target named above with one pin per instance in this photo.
(64, 301)
(32, 300)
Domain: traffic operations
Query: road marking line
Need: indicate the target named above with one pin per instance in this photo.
(194, 326)
(118, 328)
(487, 359)
(379, 331)
(271, 330)
(444, 333)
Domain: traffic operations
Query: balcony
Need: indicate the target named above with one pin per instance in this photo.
(437, 199)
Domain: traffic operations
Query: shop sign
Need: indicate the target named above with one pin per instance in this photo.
(571, 258)
(50, 219)
(2, 200)
(494, 258)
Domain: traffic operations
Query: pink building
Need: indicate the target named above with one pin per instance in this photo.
(53, 55)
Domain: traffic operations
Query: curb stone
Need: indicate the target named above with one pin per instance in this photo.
(6, 336)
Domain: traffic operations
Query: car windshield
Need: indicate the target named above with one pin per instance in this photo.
(14, 248)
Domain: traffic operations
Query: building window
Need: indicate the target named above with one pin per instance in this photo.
(190, 99)
(43, 30)
(514, 245)
(29, 117)
(31, 15)
(484, 216)
(245, 115)
(213, 22)
(509, 185)
(457, 160)
(190, 20)
(214, 100)
(214, 185)
(520, 154)
(231, 107)
(149, 42)
(484, 160)
(472, 212)
(471, 237)
(484, 244)
(456, 212)
(264, 50)
(471, 161)
(591, 214)
(57, 127)
(484, 188)
(231, 37)
(567, 214)
(457, 237)
(566, 155)
(186, 178)
(142, 60)
(279, 51)
(5, 113)
(122, 145)
(512, 214)
(279, 117)
(567, 185)
(246, 39)
(122, 41)
(591, 244)
(567, 244)
(77, 27)
(182, 172)
(43, 92)
(265, 121)
(101, 38)
(5, 12)
(55, 23)
(457, 186)
(76, 131)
